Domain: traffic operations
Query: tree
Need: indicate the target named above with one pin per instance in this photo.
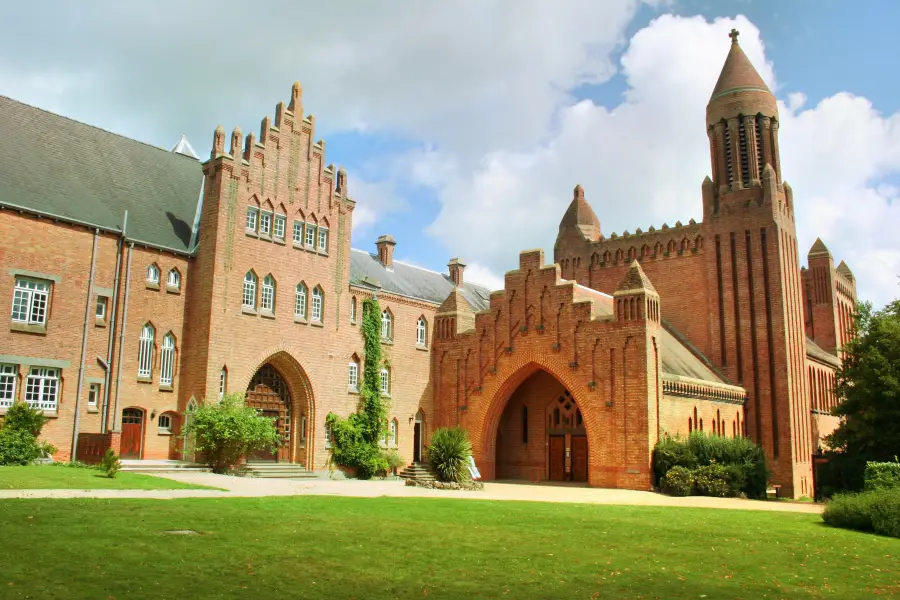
(868, 385)
(229, 430)
(19, 431)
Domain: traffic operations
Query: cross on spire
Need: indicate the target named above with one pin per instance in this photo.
(734, 35)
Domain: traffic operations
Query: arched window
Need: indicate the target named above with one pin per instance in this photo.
(164, 424)
(145, 351)
(249, 296)
(317, 305)
(223, 381)
(267, 302)
(353, 374)
(387, 325)
(167, 360)
(353, 309)
(421, 331)
(300, 302)
(152, 274)
(174, 279)
(386, 381)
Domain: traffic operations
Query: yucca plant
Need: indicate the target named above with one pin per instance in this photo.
(449, 454)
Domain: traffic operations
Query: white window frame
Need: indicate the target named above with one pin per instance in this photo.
(421, 332)
(322, 238)
(353, 375)
(223, 381)
(100, 308)
(167, 360)
(299, 228)
(385, 380)
(93, 394)
(317, 304)
(300, 301)
(145, 351)
(167, 428)
(153, 274)
(31, 301)
(173, 280)
(8, 376)
(265, 222)
(387, 325)
(393, 433)
(252, 218)
(249, 291)
(267, 295)
(279, 226)
(310, 239)
(353, 309)
(302, 428)
(42, 388)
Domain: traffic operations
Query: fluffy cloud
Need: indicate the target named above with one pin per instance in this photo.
(642, 162)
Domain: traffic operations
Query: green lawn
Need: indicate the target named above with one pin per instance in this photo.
(334, 547)
(61, 477)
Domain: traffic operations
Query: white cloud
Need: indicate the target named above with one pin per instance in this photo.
(642, 162)
(478, 273)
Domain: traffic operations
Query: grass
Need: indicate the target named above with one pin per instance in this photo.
(62, 477)
(334, 547)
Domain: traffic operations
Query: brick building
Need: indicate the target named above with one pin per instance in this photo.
(142, 282)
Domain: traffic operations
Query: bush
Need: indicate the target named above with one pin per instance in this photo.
(393, 459)
(449, 454)
(882, 475)
(678, 481)
(712, 480)
(877, 510)
(18, 436)
(110, 463)
(229, 430)
(741, 463)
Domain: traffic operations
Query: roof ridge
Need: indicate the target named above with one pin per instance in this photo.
(426, 269)
(88, 125)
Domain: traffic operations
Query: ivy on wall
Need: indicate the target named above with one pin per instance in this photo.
(355, 440)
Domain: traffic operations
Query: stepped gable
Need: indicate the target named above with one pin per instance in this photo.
(411, 281)
(56, 166)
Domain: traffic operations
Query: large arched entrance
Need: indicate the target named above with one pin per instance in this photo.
(280, 389)
(541, 435)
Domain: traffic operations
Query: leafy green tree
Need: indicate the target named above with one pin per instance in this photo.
(229, 430)
(19, 431)
(868, 386)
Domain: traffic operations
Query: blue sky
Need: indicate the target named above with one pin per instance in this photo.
(464, 125)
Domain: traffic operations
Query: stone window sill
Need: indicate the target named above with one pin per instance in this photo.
(248, 311)
(422, 348)
(250, 233)
(310, 249)
(99, 322)
(387, 342)
(300, 320)
(280, 241)
(317, 324)
(265, 236)
(267, 314)
(354, 391)
(297, 245)
(172, 289)
(93, 410)
(323, 252)
(152, 285)
(166, 388)
(164, 433)
(29, 328)
(145, 379)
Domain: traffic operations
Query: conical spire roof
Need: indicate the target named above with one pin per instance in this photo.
(738, 73)
(581, 215)
(635, 280)
(818, 248)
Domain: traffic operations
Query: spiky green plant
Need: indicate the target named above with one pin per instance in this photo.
(449, 453)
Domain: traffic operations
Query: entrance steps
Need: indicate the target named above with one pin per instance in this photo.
(162, 466)
(418, 471)
(278, 471)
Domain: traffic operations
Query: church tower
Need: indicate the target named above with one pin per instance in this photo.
(756, 319)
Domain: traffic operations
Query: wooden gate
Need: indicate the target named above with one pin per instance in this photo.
(269, 394)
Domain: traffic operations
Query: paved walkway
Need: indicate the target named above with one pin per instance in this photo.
(251, 487)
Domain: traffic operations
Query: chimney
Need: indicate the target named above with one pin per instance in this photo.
(385, 245)
(457, 266)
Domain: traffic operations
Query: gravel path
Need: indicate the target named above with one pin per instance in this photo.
(249, 487)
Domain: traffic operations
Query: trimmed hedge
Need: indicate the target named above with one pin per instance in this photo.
(718, 465)
(882, 475)
(875, 511)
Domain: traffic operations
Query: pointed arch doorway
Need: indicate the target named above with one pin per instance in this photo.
(270, 395)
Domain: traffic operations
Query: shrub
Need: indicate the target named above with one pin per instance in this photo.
(877, 510)
(229, 430)
(110, 463)
(672, 452)
(678, 481)
(882, 475)
(449, 453)
(711, 480)
(18, 436)
(393, 459)
(885, 512)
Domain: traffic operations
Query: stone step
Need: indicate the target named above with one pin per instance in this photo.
(279, 470)
(418, 471)
(161, 466)
(151, 470)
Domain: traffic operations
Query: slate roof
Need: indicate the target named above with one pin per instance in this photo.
(57, 166)
(813, 350)
(413, 282)
(678, 359)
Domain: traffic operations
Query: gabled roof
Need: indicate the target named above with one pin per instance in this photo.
(56, 166)
(738, 73)
(635, 280)
(818, 248)
(411, 281)
(844, 270)
(455, 303)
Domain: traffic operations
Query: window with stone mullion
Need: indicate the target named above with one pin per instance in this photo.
(30, 302)
(41, 388)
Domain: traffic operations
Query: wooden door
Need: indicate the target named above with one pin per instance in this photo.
(557, 458)
(132, 433)
(417, 442)
(270, 404)
(579, 458)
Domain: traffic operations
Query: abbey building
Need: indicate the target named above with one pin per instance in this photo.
(141, 282)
